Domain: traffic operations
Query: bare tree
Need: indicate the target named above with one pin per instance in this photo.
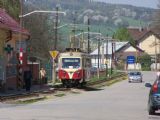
(42, 30)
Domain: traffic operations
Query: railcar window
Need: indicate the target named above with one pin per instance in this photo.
(70, 62)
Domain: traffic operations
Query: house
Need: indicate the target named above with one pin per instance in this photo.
(107, 51)
(12, 39)
(126, 51)
(147, 40)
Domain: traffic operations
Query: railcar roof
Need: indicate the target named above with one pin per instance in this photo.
(74, 54)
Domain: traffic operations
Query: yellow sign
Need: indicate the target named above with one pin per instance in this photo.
(106, 62)
(53, 54)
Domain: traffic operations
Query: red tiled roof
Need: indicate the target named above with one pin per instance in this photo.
(8, 22)
(137, 33)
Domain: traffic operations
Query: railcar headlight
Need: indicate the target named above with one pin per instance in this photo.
(78, 72)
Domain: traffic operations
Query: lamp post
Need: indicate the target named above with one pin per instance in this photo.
(98, 56)
(88, 36)
(113, 50)
(106, 62)
(56, 31)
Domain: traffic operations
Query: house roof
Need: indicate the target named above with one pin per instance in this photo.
(117, 46)
(9, 23)
(127, 46)
(137, 33)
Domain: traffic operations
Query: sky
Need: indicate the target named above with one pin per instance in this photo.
(141, 3)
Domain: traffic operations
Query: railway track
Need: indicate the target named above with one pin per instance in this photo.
(52, 91)
(32, 94)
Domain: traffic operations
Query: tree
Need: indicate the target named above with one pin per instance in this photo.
(12, 7)
(145, 61)
(41, 27)
(122, 34)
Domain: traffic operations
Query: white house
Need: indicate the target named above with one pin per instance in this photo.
(105, 56)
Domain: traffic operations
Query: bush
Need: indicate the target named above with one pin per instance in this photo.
(145, 61)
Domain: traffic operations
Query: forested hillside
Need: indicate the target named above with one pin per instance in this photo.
(102, 16)
(99, 13)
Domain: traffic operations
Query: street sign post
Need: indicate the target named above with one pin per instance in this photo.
(54, 54)
(130, 59)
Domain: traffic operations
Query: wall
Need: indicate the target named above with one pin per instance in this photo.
(148, 45)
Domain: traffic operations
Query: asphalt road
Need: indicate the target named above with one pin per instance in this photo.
(122, 101)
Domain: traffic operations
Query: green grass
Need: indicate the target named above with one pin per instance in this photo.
(103, 76)
(60, 95)
(29, 101)
(110, 82)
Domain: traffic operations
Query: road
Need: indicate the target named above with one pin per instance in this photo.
(121, 101)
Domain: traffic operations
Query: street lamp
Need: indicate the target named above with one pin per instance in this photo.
(56, 27)
(42, 11)
(113, 50)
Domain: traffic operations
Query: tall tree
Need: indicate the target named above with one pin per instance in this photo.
(122, 34)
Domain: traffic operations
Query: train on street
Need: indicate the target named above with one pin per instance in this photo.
(74, 67)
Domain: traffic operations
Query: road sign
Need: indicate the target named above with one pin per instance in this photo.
(130, 59)
(53, 54)
(106, 62)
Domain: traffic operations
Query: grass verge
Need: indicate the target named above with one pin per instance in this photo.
(29, 101)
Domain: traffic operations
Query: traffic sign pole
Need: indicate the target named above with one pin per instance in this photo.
(131, 60)
(53, 71)
(54, 54)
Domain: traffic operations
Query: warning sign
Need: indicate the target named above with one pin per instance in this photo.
(53, 54)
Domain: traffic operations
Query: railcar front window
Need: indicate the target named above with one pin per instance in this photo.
(70, 62)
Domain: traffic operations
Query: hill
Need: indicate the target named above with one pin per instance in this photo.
(103, 17)
(99, 12)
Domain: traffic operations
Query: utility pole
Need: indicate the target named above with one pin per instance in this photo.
(112, 58)
(73, 31)
(98, 56)
(155, 54)
(20, 65)
(114, 54)
(88, 35)
(106, 56)
(102, 58)
(56, 30)
(55, 45)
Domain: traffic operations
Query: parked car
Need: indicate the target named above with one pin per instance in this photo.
(154, 97)
(94, 70)
(135, 76)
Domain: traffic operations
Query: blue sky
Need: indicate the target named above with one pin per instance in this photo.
(142, 3)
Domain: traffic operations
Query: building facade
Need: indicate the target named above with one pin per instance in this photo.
(12, 39)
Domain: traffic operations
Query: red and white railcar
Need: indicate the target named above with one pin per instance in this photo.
(74, 67)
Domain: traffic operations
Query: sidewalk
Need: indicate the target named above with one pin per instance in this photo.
(34, 89)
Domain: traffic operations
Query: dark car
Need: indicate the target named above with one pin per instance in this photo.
(93, 70)
(154, 97)
(135, 76)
